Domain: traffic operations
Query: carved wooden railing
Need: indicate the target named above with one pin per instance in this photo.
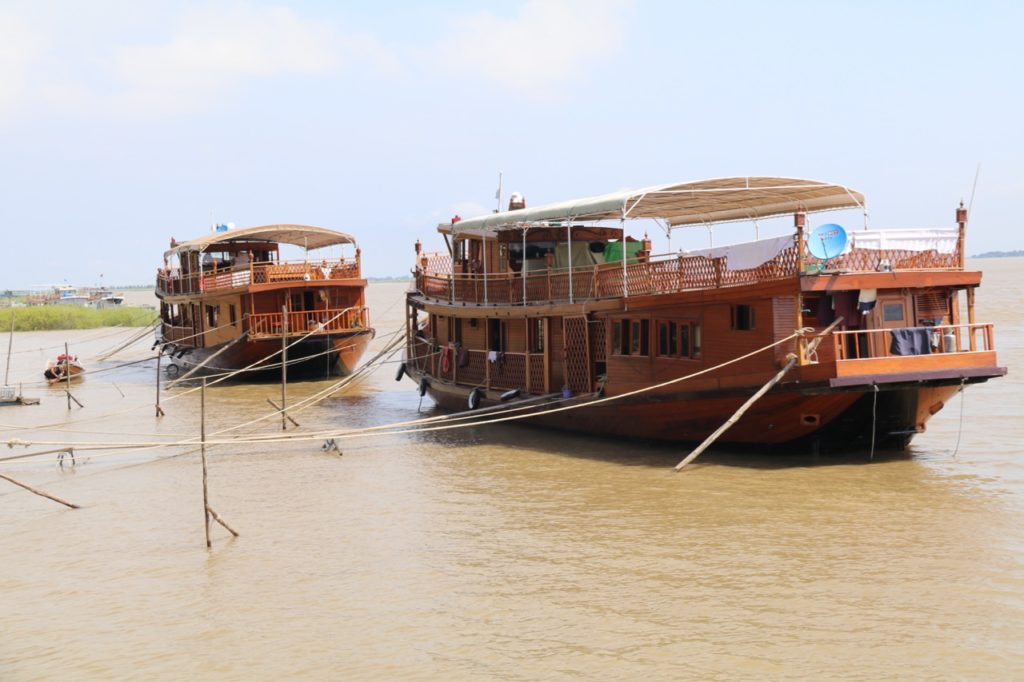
(221, 279)
(861, 344)
(306, 321)
(657, 275)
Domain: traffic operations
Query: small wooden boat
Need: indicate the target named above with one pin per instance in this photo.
(59, 369)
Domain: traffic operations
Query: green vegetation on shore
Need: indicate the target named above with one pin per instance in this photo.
(999, 254)
(47, 317)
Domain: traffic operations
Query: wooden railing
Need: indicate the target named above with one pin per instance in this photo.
(474, 369)
(876, 343)
(306, 321)
(171, 283)
(664, 274)
(178, 333)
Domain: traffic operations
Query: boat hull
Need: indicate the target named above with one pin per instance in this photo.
(316, 356)
(794, 419)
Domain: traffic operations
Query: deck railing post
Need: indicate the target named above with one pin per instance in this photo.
(284, 366)
(961, 219)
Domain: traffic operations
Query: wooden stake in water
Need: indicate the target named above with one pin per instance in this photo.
(202, 450)
(159, 410)
(208, 512)
(10, 342)
(284, 366)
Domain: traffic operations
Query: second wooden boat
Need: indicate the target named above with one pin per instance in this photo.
(227, 301)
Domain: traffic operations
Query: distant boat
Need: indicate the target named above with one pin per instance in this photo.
(58, 370)
(230, 295)
(104, 298)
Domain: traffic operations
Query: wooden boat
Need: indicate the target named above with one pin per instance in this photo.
(541, 301)
(229, 295)
(58, 370)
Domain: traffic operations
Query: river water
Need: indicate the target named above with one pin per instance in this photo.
(505, 552)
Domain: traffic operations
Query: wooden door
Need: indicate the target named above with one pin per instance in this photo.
(892, 311)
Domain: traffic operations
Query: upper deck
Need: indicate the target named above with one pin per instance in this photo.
(580, 250)
(440, 279)
(229, 261)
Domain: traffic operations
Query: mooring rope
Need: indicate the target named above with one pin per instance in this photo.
(382, 430)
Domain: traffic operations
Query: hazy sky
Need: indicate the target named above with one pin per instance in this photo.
(123, 124)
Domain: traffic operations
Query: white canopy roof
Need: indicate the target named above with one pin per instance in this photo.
(687, 203)
(300, 235)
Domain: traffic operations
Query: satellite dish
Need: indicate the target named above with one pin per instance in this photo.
(827, 241)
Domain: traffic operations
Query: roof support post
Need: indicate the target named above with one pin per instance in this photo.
(569, 230)
(622, 226)
(483, 245)
(523, 269)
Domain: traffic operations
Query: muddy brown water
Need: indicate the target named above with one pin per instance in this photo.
(505, 552)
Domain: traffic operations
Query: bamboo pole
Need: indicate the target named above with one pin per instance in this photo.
(218, 519)
(284, 366)
(281, 410)
(159, 410)
(10, 343)
(202, 450)
(790, 363)
(202, 364)
(41, 493)
(739, 413)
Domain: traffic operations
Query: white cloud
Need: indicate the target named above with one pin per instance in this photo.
(216, 50)
(208, 54)
(20, 47)
(548, 43)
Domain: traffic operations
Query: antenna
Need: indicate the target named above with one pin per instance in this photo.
(497, 195)
(974, 187)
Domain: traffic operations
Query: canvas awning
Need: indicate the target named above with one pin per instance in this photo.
(687, 203)
(307, 236)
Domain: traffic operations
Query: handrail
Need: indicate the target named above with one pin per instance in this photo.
(270, 272)
(855, 344)
(308, 321)
(653, 275)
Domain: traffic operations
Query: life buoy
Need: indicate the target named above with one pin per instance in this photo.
(446, 362)
(474, 398)
(401, 372)
(509, 395)
(172, 370)
(423, 386)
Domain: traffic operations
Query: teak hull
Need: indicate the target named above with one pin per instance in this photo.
(831, 420)
(333, 355)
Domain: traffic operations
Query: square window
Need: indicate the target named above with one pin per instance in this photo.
(743, 317)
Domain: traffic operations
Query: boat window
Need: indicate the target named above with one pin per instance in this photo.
(892, 312)
(618, 343)
(497, 332)
(638, 342)
(684, 339)
(743, 316)
(666, 338)
(537, 335)
(211, 315)
(695, 340)
(232, 314)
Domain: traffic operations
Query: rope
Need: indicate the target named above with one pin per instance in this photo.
(383, 430)
(874, 413)
(172, 397)
(960, 429)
